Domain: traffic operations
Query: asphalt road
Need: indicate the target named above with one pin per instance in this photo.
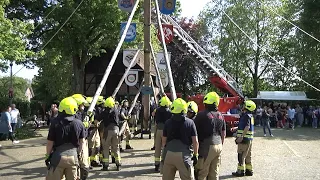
(288, 155)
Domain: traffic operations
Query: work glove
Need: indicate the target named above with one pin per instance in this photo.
(195, 159)
(47, 160)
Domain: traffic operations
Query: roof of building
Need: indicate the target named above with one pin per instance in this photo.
(283, 95)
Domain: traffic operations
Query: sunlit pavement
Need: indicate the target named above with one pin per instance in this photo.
(289, 155)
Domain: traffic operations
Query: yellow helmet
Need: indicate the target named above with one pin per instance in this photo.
(89, 101)
(68, 105)
(250, 105)
(212, 98)
(179, 106)
(80, 99)
(165, 101)
(193, 107)
(109, 103)
(100, 100)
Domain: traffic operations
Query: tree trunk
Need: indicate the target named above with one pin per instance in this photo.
(255, 85)
(78, 74)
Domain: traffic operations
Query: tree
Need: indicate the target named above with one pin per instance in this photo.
(307, 49)
(185, 72)
(20, 86)
(13, 39)
(245, 61)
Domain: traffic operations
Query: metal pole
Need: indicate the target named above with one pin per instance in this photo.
(154, 94)
(136, 97)
(171, 83)
(125, 74)
(147, 57)
(113, 59)
(11, 83)
(154, 59)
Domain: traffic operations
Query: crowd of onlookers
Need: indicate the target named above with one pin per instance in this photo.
(8, 122)
(283, 115)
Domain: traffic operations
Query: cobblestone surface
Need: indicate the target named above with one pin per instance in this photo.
(288, 155)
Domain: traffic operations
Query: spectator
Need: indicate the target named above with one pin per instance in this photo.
(5, 117)
(314, 120)
(15, 114)
(258, 115)
(53, 113)
(266, 113)
(300, 116)
(291, 114)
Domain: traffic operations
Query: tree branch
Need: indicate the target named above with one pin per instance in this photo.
(264, 69)
(247, 64)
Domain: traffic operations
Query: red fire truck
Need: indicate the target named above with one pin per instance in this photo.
(233, 95)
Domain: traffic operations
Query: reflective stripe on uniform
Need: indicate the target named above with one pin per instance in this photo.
(92, 158)
(248, 167)
(156, 159)
(241, 168)
(112, 154)
(105, 160)
(249, 134)
(118, 159)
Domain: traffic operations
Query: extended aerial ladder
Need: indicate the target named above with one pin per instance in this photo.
(217, 75)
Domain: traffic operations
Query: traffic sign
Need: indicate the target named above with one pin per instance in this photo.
(168, 33)
(126, 5)
(167, 6)
(147, 90)
(131, 33)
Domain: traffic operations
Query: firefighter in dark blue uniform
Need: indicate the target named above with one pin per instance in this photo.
(179, 133)
(65, 138)
(244, 140)
(211, 133)
(162, 114)
(110, 121)
(84, 155)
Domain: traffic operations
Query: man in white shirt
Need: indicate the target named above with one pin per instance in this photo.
(291, 117)
(15, 114)
(258, 116)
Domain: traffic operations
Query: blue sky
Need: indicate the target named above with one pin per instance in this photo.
(189, 9)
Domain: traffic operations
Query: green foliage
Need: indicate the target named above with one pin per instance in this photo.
(19, 84)
(13, 39)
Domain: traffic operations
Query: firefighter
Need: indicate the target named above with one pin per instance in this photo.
(66, 136)
(110, 121)
(192, 110)
(124, 116)
(94, 140)
(244, 140)
(179, 133)
(162, 114)
(84, 155)
(211, 134)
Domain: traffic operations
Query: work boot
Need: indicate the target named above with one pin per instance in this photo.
(121, 150)
(238, 174)
(118, 167)
(113, 160)
(128, 147)
(249, 173)
(157, 168)
(95, 164)
(105, 168)
(90, 167)
(153, 148)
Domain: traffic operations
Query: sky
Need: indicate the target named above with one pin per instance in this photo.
(189, 9)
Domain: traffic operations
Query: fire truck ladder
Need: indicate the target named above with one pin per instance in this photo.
(218, 76)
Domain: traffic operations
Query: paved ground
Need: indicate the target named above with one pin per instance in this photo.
(289, 155)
